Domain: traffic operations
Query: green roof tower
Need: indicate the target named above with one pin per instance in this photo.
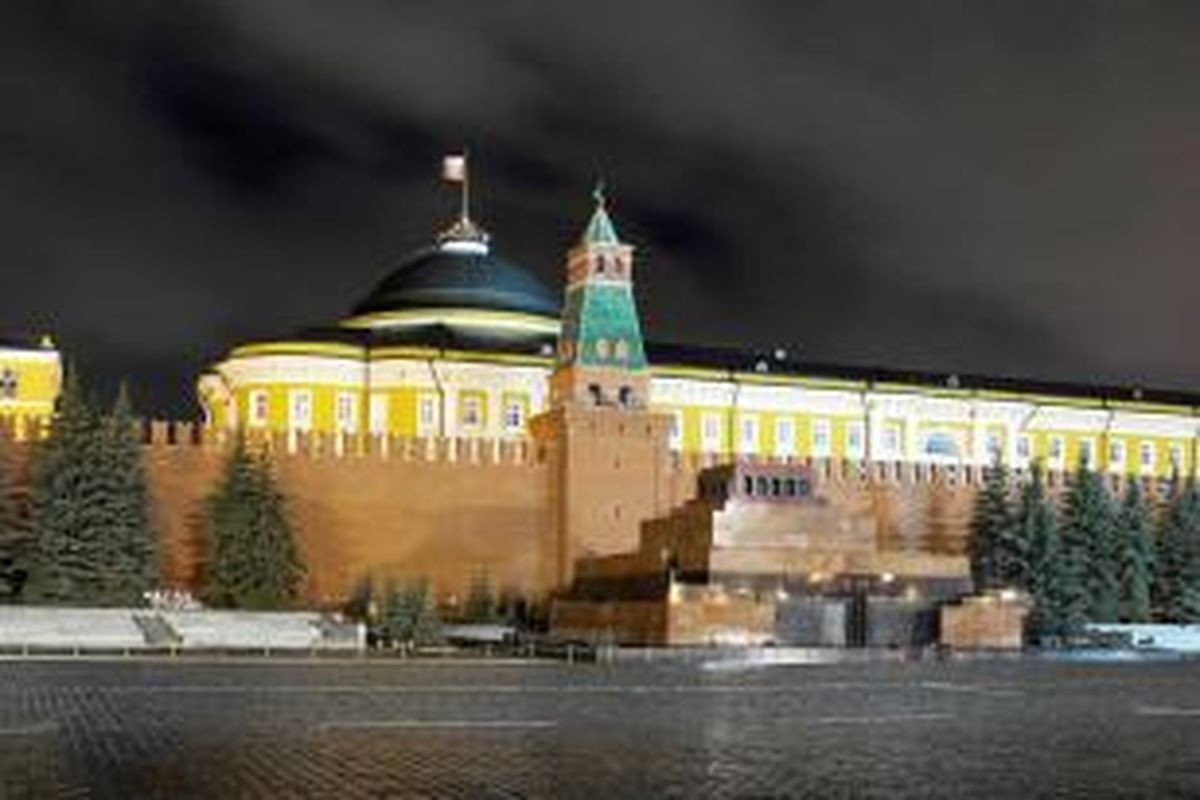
(601, 358)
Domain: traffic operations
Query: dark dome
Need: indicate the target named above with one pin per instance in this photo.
(450, 277)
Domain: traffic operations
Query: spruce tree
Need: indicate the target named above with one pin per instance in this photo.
(1178, 578)
(14, 533)
(252, 559)
(407, 614)
(1137, 555)
(129, 543)
(67, 564)
(1091, 589)
(994, 548)
(1037, 528)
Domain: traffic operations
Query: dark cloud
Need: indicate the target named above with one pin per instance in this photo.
(1006, 188)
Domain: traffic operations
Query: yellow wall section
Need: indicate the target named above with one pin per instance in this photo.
(402, 411)
(38, 382)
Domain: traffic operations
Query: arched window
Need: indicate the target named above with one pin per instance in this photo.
(600, 264)
(621, 350)
(595, 393)
(602, 349)
(625, 396)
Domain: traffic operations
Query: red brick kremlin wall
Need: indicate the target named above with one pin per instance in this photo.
(444, 510)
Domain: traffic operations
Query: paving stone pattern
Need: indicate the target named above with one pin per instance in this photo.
(134, 729)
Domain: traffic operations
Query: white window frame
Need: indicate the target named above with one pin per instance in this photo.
(785, 437)
(258, 411)
(993, 447)
(513, 402)
(377, 413)
(675, 439)
(747, 434)
(822, 438)
(345, 412)
(1175, 457)
(467, 402)
(1059, 443)
(711, 431)
(1147, 465)
(1116, 455)
(428, 413)
(1089, 444)
(856, 440)
(300, 400)
(1024, 449)
(890, 441)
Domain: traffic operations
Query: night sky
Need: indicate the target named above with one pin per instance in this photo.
(1000, 188)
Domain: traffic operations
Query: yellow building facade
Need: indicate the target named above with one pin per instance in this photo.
(30, 379)
(456, 342)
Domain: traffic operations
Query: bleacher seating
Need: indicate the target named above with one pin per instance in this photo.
(69, 628)
(84, 629)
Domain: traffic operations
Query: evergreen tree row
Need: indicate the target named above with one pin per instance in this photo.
(77, 530)
(1094, 558)
(86, 537)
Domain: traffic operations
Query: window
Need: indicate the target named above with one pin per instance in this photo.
(785, 437)
(471, 412)
(621, 350)
(1147, 456)
(1056, 453)
(891, 441)
(676, 439)
(1116, 455)
(748, 435)
(9, 384)
(854, 440)
(747, 485)
(1024, 449)
(427, 414)
(514, 414)
(710, 432)
(1087, 453)
(1176, 456)
(601, 263)
(347, 412)
(994, 447)
(258, 407)
(300, 409)
(625, 396)
(820, 438)
(941, 445)
(378, 414)
(602, 349)
(595, 394)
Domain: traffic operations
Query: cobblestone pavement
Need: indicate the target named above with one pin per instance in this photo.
(134, 729)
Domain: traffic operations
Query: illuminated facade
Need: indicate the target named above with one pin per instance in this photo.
(456, 342)
(30, 377)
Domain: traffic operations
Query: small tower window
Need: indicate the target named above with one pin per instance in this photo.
(625, 396)
(600, 264)
(595, 393)
(621, 350)
(602, 349)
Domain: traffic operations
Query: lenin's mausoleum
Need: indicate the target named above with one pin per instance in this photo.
(466, 420)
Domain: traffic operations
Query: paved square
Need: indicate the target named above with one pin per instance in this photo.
(313, 729)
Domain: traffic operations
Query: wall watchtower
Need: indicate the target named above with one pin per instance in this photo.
(607, 452)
